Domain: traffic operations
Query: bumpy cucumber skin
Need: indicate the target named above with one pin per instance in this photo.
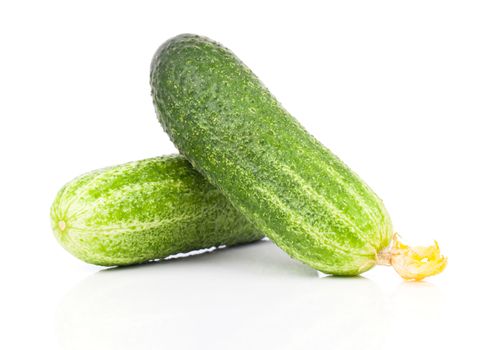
(228, 125)
(144, 210)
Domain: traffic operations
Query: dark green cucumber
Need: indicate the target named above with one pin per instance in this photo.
(142, 211)
(282, 179)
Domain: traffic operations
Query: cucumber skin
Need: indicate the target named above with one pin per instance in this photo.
(144, 210)
(228, 125)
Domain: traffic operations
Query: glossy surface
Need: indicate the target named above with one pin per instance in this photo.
(255, 297)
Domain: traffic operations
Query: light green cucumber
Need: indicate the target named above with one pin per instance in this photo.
(142, 211)
(291, 187)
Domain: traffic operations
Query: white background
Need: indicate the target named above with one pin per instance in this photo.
(402, 91)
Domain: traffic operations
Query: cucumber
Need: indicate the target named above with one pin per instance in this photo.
(142, 211)
(291, 187)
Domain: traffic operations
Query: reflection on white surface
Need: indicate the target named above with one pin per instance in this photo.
(247, 297)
